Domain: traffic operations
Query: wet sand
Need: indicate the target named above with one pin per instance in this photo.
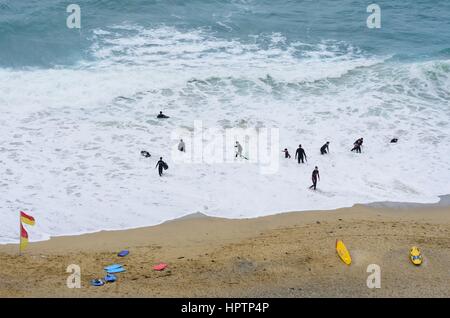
(285, 255)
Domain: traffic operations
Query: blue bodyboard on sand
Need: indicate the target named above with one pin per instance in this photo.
(113, 266)
(116, 270)
(123, 253)
(110, 278)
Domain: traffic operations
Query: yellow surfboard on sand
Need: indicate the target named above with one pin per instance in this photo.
(343, 252)
(415, 255)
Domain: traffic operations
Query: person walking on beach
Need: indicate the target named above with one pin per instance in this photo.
(182, 146)
(300, 154)
(286, 153)
(324, 149)
(161, 165)
(315, 177)
(357, 145)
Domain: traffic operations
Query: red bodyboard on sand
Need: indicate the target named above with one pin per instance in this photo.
(160, 267)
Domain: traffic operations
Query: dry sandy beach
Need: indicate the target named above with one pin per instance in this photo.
(285, 255)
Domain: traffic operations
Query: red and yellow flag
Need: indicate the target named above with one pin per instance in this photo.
(27, 219)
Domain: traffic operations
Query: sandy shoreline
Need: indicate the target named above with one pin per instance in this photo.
(284, 255)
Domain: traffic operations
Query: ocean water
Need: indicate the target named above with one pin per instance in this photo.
(78, 105)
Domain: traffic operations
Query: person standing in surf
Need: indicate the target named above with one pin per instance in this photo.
(325, 149)
(315, 177)
(238, 149)
(182, 146)
(300, 154)
(160, 165)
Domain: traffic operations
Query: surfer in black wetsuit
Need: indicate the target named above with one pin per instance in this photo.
(161, 115)
(357, 145)
(238, 149)
(300, 154)
(286, 153)
(160, 165)
(324, 149)
(315, 176)
(394, 140)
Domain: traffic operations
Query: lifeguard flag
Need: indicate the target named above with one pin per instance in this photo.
(23, 238)
(27, 219)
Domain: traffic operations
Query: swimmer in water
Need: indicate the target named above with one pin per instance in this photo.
(286, 153)
(161, 115)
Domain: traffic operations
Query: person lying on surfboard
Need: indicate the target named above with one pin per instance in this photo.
(145, 154)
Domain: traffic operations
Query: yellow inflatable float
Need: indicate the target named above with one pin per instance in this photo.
(415, 255)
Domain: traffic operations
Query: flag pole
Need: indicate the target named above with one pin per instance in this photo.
(20, 234)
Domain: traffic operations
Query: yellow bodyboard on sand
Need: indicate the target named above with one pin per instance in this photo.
(343, 252)
(415, 256)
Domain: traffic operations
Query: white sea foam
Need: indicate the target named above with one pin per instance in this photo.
(69, 152)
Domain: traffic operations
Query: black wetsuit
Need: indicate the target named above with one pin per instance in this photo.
(162, 116)
(357, 145)
(286, 154)
(357, 148)
(314, 177)
(160, 164)
(300, 154)
(324, 149)
(146, 154)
